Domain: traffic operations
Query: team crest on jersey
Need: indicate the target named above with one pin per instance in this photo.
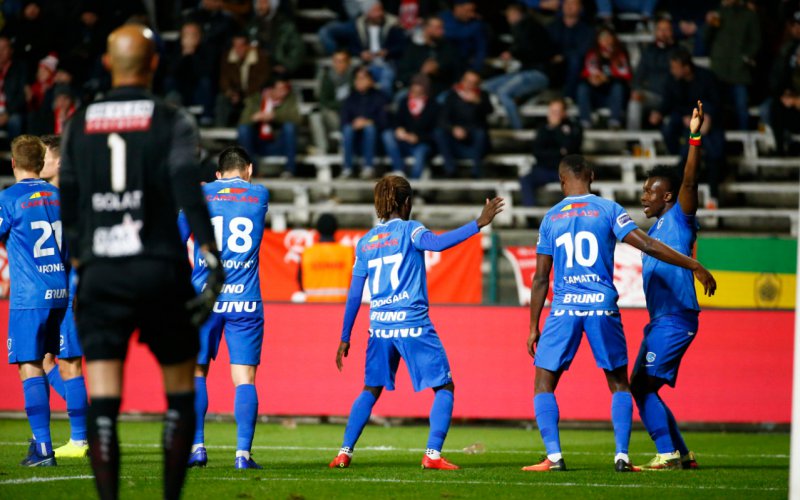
(379, 236)
(651, 356)
(660, 223)
(40, 194)
(573, 206)
(232, 191)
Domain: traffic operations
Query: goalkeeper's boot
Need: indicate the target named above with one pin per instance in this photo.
(438, 463)
(689, 461)
(664, 461)
(73, 449)
(547, 465)
(623, 466)
(342, 461)
(246, 463)
(198, 458)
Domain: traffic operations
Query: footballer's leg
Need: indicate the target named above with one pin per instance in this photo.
(654, 417)
(245, 410)
(359, 416)
(199, 456)
(441, 414)
(77, 403)
(37, 408)
(53, 374)
(621, 416)
(105, 385)
(179, 422)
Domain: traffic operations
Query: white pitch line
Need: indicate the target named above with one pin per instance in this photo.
(29, 480)
(421, 450)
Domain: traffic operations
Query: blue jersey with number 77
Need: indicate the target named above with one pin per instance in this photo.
(391, 259)
(580, 233)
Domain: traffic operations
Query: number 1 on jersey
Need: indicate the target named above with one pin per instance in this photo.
(119, 151)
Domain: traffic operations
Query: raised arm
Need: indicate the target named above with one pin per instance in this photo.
(654, 248)
(687, 196)
(539, 289)
(438, 243)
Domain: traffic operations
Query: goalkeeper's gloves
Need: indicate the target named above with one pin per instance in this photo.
(201, 306)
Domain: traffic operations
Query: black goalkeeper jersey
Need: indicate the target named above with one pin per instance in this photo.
(129, 162)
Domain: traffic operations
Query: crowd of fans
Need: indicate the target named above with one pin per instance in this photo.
(414, 78)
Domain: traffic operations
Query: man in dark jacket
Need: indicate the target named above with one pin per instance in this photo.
(363, 119)
(559, 137)
(651, 75)
(531, 47)
(436, 57)
(463, 27)
(572, 38)
(463, 129)
(276, 34)
(785, 87)
(188, 79)
(12, 91)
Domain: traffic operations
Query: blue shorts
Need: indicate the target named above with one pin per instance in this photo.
(666, 340)
(562, 334)
(421, 349)
(243, 323)
(69, 346)
(32, 333)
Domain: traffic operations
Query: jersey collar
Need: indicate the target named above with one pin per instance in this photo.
(389, 221)
(578, 196)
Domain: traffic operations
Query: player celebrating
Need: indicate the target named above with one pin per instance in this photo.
(31, 227)
(671, 302)
(66, 378)
(392, 256)
(237, 211)
(129, 161)
(578, 236)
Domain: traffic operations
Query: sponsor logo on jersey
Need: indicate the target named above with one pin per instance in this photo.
(232, 194)
(572, 206)
(40, 194)
(624, 219)
(120, 240)
(235, 306)
(380, 240)
(119, 116)
(583, 298)
(575, 210)
(379, 236)
(387, 316)
(40, 200)
(390, 300)
(117, 202)
(395, 333)
(56, 293)
(232, 191)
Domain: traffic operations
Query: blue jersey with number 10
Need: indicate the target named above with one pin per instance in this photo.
(390, 258)
(237, 210)
(30, 223)
(580, 233)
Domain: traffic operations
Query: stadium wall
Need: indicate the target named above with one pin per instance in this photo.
(738, 369)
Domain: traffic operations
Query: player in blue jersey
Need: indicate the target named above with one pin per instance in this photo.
(237, 210)
(671, 302)
(390, 259)
(577, 237)
(66, 377)
(30, 225)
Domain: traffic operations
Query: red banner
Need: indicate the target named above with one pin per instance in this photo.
(491, 368)
(454, 276)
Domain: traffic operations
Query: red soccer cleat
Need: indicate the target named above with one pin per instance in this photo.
(440, 464)
(342, 461)
(546, 466)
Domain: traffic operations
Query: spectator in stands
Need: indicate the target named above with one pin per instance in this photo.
(607, 8)
(332, 88)
(605, 77)
(326, 266)
(785, 85)
(651, 75)
(414, 124)
(84, 41)
(463, 27)
(45, 79)
(12, 90)
(544, 10)
(436, 57)
(559, 137)
(58, 105)
(188, 72)
(363, 119)
(688, 84)
(689, 18)
(244, 71)
(733, 37)
(277, 35)
(463, 130)
(572, 38)
(411, 14)
(532, 48)
(269, 124)
(33, 34)
(218, 25)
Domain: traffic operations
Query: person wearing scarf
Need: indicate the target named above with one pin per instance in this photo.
(412, 134)
(606, 78)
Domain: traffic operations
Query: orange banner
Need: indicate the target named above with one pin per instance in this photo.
(454, 276)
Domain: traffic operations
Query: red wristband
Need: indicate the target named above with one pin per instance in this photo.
(694, 142)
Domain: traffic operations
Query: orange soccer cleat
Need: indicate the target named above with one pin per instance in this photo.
(342, 461)
(546, 465)
(438, 463)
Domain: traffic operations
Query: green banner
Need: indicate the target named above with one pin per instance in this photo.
(745, 254)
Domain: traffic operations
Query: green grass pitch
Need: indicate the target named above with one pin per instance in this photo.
(387, 465)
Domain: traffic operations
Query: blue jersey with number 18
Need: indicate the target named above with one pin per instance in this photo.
(30, 224)
(390, 258)
(580, 233)
(237, 210)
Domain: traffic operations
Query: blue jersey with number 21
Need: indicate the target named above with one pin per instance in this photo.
(580, 233)
(390, 258)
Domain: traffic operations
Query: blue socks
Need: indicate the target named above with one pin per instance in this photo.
(359, 416)
(77, 404)
(621, 417)
(546, 409)
(655, 420)
(441, 412)
(677, 439)
(201, 408)
(56, 382)
(37, 407)
(245, 410)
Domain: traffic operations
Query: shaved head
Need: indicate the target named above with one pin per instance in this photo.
(131, 55)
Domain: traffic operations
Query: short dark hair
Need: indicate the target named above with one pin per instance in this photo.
(327, 225)
(52, 142)
(681, 55)
(233, 158)
(576, 165)
(671, 174)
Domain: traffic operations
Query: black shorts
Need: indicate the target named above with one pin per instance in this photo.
(116, 298)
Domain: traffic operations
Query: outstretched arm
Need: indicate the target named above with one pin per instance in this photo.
(654, 248)
(351, 308)
(687, 196)
(437, 243)
(539, 289)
